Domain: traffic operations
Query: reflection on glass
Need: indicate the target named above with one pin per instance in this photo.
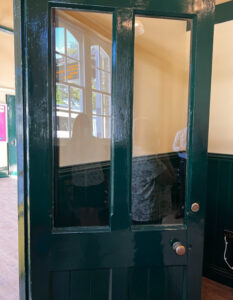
(72, 46)
(104, 60)
(73, 71)
(161, 77)
(60, 68)
(62, 96)
(106, 105)
(60, 39)
(83, 117)
(75, 98)
(105, 81)
(95, 56)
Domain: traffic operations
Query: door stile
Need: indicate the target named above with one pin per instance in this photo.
(39, 152)
(122, 116)
(200, 81)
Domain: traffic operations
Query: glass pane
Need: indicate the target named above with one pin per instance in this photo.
(107, 127)
(72, 45)
(94, 56)
(101, 127)
(104, 60)
(73, 71)
(73, 117)
(96, 103)
(62, 96)
(60, 40)
(95, 80)
(105, 81)
(106, 105)
(161, 81)
(60, 68)
(83, 132)
(63, 124)
(76, 99)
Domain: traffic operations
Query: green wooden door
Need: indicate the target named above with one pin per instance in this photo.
(103, 213)
(12, 144)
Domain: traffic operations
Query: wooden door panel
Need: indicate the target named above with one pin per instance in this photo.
(141, 283)
(108, 262)
(116, 249)
(156, 283)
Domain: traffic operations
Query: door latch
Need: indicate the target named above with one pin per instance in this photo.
(179, 248)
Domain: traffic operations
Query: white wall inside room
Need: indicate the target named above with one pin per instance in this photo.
(161, 84)
(221, 104)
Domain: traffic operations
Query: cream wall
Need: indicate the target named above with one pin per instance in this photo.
(221, 105)
(221, 1)
(7, 75)
(160, 85)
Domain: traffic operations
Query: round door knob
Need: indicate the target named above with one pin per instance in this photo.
(195, 207)
(179, 248)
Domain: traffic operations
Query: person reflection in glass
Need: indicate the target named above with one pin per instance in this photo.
(179, 146)
(149, 175)
(87, 174)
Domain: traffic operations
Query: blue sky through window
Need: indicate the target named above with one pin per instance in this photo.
(60, 39)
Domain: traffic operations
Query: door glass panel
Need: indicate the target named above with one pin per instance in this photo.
(83, 117)
(160, 117)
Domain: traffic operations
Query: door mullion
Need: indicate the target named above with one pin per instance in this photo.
(122, 116)
(197, 144)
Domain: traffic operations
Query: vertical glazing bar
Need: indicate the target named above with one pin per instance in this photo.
(122, 116)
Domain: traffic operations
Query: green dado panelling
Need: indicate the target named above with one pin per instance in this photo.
(64, 188)
(143, 283)
(219, 216)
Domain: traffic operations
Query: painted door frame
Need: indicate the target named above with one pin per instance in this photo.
(202, 13)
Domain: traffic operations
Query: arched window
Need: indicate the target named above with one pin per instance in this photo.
(101, 91)
(83, 78)
(69, 80)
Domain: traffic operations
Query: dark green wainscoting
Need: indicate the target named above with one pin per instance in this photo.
(219, 216)
(64, 188)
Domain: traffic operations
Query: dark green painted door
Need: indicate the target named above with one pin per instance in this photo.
(12, 141)
(121, 257)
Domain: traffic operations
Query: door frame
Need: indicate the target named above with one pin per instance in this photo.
(198, 117)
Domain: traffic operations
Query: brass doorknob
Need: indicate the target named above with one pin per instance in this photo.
(179, 248)
(195, 207)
